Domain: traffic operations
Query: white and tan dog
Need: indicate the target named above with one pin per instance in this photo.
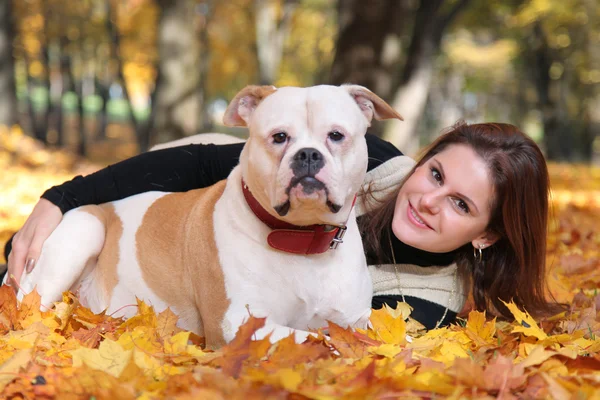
(257, 243)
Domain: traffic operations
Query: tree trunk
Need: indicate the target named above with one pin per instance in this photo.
(365, 29)
(410, 101)
(205, 123)
(176, 91)
(557, 145)
(271, 33)
(413, 89)
(8, 100)
(67, 84)
(592, 108)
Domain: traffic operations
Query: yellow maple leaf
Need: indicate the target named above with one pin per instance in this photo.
(477, 324)
(141, 338)
(180, 351)
(450, 350)
(109, 357)
(387, 325)
(536, 355)
(388, 350)
(525, 322)
(145, 317)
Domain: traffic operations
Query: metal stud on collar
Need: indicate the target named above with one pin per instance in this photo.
(338, 238)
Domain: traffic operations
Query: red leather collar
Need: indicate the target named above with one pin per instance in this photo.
(311, 239)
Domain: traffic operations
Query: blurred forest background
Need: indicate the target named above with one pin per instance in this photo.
(89, 82)
(107, 79)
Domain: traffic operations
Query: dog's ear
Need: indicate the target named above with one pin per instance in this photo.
(370, 104)
(244, 103)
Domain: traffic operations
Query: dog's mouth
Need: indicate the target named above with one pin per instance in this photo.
(310, 185)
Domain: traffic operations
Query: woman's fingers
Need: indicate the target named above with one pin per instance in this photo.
(16, 258)
(27, 243)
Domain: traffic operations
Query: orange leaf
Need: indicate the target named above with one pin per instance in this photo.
(501, 374)
(9, 315)
(166, 324)
(346, 343)
(287, 353)
(468, 372)
(238, 350)
(29, 309)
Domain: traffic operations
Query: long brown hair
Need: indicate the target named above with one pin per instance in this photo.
(513, 268)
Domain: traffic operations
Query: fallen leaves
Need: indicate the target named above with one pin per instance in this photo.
(52, 356)
(69, 352)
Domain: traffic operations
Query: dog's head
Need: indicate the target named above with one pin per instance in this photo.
(306, 154)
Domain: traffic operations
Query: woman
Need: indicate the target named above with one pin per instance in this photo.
(471, 213)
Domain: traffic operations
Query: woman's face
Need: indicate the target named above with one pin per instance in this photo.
(445, 203)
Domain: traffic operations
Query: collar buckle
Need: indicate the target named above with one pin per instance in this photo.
(338, 238)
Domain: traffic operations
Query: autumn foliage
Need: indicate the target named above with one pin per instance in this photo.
(70, 353)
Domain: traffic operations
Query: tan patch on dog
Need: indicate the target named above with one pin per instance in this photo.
(179, 259)
(106, 267)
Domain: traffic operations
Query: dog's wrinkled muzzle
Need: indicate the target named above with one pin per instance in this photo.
(305, 165)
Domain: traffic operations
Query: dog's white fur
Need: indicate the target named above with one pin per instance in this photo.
(294, 292)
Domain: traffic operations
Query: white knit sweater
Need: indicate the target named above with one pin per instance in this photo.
(442, 285)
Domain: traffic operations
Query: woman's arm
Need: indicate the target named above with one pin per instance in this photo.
(177, 169)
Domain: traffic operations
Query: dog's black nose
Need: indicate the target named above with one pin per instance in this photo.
(309, 154)
(307, 161)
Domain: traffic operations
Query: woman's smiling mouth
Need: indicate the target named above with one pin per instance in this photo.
(415, 218)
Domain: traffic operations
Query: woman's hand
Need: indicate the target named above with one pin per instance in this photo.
(27, 243)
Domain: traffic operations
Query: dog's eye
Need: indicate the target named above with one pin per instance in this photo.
(280, 137)
(336, 136)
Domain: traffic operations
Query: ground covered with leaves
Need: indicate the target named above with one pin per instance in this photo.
(70, 353)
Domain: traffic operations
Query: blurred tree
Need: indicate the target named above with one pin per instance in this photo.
(117, 55)
(204, 14)
(8, 100)
(273, 24)
(177, 86)
(365, 30)
(563, 63)
(369, 52)
(233, 58)
(533, 63)
(31, 49)
(476, 75)
(432, 19)
(309, 49)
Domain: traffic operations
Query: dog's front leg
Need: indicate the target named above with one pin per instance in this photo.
(71, 248)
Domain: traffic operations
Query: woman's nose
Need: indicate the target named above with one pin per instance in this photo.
(430, 201)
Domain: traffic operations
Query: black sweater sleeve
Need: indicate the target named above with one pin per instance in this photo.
(177, 169)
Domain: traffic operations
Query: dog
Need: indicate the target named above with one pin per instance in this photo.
(267, 241)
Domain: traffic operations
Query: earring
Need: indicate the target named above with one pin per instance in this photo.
(478, 256)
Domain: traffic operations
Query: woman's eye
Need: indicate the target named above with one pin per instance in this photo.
(336, 136)
(280, 137)
(436, 175)
(462, 205)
